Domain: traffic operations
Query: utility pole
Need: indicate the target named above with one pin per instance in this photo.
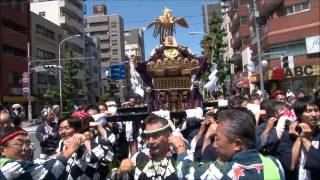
(29, 76)
(256, 14)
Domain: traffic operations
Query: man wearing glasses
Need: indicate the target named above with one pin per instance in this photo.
(15, 160)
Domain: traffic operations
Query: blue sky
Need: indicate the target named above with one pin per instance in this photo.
(139, 13)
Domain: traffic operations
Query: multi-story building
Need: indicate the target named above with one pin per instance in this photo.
(14, 36)
(93, 50)
(65, 13)
(289, 38)
(69, 15)
(110, 30)
(289, 31)
(45, 38)
(134, 42)
(240, 42)
(134, 48)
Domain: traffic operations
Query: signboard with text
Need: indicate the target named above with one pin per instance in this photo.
(313, 44)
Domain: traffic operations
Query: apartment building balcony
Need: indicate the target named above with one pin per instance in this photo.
(13, 38)
(69, 7)
(71, 24)
(290, 28)
(105, 55)
(104, 45)
(265, 7)
(97, 28)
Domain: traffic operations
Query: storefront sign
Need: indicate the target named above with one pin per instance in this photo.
(313, 44)
(254, 78)
(277, 74)
(311, 70)
(19, 99)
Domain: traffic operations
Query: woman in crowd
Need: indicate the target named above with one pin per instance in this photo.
(16, 150)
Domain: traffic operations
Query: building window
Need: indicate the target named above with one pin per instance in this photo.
(42, 14)
(43, 54)
(13, 51)
(104, 41)
(104, 59)
(114, 42)
(114, 51)
(113, 24)
(127, 34)
(296, 8)
(115, 59)
(45, 32)
(97, 24)
(104, 50)
(243, 21)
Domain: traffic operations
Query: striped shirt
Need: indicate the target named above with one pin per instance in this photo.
(244, 165)
(50, 169)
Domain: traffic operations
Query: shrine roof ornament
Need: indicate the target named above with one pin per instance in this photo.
(165, 25)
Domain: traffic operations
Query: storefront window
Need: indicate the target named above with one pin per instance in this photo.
(298, 84)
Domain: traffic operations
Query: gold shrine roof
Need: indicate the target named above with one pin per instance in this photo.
(172, 60)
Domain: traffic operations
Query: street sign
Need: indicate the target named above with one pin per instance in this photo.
(26, 91)
(25, 75)
(25, 80)
(39, 69)
(117, 71)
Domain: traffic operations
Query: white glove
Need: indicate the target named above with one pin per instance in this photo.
(281, 123)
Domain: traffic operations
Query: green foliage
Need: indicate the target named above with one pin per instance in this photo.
(112, 93)
(51, 96)
(70, 84)
(215, 48)
(87, 84)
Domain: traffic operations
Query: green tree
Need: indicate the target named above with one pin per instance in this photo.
(87, 84)
(214, 47)
(70, 84)
(50, 96)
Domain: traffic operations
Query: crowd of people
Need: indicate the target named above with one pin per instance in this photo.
(245, 138)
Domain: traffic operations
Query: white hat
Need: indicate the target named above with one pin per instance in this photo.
(16, 106)
(290, 94)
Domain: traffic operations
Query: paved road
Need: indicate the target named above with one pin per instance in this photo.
(32, 135)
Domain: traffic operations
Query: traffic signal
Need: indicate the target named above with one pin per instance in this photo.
(117, 71)
(51, 68)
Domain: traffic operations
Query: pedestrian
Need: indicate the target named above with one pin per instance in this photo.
(47, 133)
(17, 114)
(299, 147)
(15, 163)
(237, 154)
(4, 118)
